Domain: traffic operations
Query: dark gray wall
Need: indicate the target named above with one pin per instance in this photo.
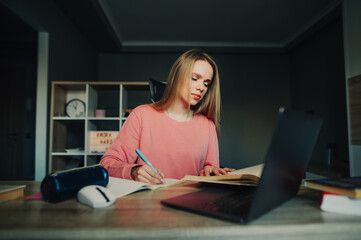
(71, 56)
(318, 85)
(18, 55)
(253, 87)
(135, 66)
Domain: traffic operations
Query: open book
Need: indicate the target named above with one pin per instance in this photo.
(244, 176)
(121, 187)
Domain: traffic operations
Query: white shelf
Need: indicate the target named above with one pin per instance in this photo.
(106, 118)
(68, 118)
(95, 154)
(68, 154)
(77, 153)
(71, 132)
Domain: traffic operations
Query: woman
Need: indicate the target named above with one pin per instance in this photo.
(179, 133)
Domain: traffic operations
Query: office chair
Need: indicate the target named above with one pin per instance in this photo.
(156, 89)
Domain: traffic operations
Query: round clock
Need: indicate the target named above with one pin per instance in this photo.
(75, 108)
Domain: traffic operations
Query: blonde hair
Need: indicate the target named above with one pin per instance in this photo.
(180, 76)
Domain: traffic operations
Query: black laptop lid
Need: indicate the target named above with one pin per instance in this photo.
(286, 161)
(289, 152)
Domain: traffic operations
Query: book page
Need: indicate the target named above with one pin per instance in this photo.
(228, 177)
(254, 170)
(250, 177)
(121, 187)
(168, 182)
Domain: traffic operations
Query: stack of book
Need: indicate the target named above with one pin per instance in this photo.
(341, 195)
(9, 192)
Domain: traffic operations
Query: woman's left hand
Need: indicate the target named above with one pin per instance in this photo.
(211, 170)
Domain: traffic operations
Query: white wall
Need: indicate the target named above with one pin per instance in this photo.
(352, 40)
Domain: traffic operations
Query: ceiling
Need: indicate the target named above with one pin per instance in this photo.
(173, 25)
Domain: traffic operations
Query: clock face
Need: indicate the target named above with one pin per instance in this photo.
(75, 108)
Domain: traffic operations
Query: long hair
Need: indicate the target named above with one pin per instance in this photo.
(179, 77)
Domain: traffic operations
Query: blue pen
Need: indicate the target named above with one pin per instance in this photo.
(141, 155)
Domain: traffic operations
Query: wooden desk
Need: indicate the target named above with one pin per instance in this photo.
(141, 216)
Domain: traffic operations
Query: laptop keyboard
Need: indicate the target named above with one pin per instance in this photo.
(236, 204)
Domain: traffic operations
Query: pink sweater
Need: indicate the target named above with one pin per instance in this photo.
(177, 148)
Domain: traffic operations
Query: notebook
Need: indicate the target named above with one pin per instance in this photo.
(287, 157)
(120, 187)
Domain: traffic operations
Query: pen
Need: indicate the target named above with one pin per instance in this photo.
(141, 155)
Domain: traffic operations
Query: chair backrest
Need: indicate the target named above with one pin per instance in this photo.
(156, 89)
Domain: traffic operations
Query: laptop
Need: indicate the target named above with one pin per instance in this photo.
(285, 164)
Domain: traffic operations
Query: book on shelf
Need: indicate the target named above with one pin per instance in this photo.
(121, 187)
(350, 186)
(336, 203)
(244, 176)
(9, 192)
(75, 150)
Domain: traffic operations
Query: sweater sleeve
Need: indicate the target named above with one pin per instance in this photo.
(121, 157)
(212, 158)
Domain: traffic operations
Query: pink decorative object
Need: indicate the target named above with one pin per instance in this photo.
(35, 196)
(99, 113)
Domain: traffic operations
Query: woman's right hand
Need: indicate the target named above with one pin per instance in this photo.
(145, 174)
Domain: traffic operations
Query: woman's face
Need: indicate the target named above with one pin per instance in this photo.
(202, 75)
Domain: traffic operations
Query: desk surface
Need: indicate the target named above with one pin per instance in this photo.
(141, 216)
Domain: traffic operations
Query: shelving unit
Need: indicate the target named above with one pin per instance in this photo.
(69, 133)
